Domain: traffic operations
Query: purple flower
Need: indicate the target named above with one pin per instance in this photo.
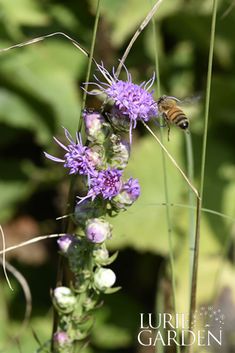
(97, 230)
(77, 157)
(106, 183)
(132, 188)
(97, 129)
(61, 339)
(132, 101)
(128, 195)
(93, 120)
(65, 242)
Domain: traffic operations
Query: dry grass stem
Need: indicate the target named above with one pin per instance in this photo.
(173, 161)
(41, 38)
(31, 241)
(136, 35)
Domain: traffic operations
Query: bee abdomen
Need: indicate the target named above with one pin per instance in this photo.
(177, 117)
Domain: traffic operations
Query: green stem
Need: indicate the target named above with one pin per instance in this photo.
(208, 92)
(90, 61)
(203, 162)
(67, 223)
(190, 164)
(166, 188)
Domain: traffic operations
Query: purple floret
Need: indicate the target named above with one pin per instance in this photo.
(132, 188)
(77, 157)
(132, 100)
(106, 183)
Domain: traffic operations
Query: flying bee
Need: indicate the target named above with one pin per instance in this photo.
(172, 113)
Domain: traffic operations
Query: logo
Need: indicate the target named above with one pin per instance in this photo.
(206, 328)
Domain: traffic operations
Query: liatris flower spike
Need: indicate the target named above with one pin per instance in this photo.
(130, 102)
(101, 163)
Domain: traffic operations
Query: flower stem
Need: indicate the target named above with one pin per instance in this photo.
(190, 164)
(67, 224)
(166, 189)
(90, 61)
(136, 35)
(203, 162)
(172, 160)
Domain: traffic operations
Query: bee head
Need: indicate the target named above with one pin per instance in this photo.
(161, 99)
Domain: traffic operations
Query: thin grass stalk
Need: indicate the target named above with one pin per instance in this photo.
(191, 201)
(137, 33)
(208, 93)
(67, 223)
(166, 190)
(203, 162)
(207, 210)
(172, 160)
(90, 61)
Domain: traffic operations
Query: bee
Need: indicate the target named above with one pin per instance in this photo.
(172, 113)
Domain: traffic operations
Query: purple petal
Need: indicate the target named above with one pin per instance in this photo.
(61, 144)
(54, 159)
(68, 136)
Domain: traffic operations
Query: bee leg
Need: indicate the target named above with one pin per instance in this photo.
(168, 131)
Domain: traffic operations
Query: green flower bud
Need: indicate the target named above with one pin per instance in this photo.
(101, 256)
(64, 299)
(104, 278)
(97, 129)
(120, 152)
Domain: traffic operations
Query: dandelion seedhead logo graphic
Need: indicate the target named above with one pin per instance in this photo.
(208, 318)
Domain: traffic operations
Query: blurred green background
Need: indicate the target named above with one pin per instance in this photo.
(41, 91)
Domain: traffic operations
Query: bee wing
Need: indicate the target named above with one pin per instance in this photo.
(194, 99)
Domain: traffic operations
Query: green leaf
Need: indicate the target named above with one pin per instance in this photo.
(18, 113)
(48, 72)
(130, 15)
(16, 13)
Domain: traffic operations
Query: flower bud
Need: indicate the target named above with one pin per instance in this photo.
(104, 278)
(64, 299)
(97, 129)
(101, 256)
(61, 340)
(89, 303)
(97, 230)
(120, 152)
(128, 194)
(65, 242)
(96, 155)
(120, 121)
(88, 209)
